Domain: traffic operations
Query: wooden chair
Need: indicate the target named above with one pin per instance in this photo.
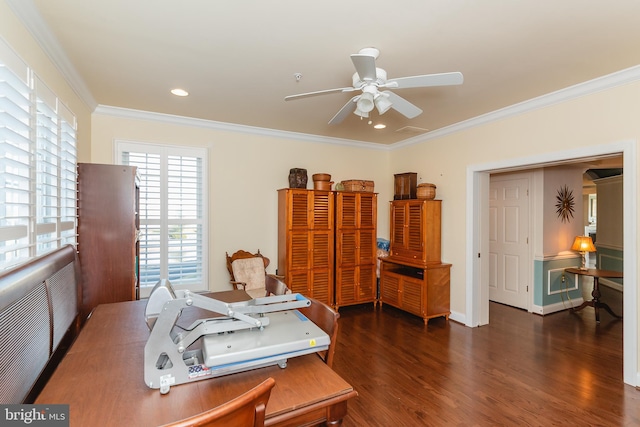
(249, 272)
(327, 319)
(276, 287)
(246, 410)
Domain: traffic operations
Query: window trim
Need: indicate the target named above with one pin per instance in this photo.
(121, 146)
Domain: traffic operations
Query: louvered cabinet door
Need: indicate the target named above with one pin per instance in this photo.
(298, 210)
(322, 215)
(356, 224)
(322, 286)
(389, 287)
(306, 242)
(346, 286)
(347, 208)
(413, 296)
(367, 283)
(346, 262)
(322, 255)
(397, 245)
(415, 231)
(298, 281)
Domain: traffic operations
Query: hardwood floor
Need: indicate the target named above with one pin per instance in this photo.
(521, 369)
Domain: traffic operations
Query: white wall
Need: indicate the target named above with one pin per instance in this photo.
(18, 38)
(610, 199)
(558, 236)
(246, 170)
(555, 131)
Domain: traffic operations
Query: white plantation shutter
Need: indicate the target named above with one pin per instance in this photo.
(47, 162)
(172, 219)
(16, 159)
(68, 176)
(184, 218)
(37, 165)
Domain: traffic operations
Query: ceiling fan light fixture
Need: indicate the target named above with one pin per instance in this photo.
(359, 112)
(382, 103)
(371, 80)
(365, 103)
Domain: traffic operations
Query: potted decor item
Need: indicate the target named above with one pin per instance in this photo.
(297, 178)
(426, 191)
(322, 181)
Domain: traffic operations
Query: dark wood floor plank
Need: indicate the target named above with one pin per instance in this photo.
(521, 369)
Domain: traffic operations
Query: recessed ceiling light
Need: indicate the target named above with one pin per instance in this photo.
(179, 92)
(379, 126)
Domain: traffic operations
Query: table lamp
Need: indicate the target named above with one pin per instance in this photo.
(583, 244)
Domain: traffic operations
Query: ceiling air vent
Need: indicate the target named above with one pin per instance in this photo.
(412, 130)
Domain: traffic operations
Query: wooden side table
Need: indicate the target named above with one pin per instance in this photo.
(595, 302)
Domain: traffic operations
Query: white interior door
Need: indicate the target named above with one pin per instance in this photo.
(509, 262)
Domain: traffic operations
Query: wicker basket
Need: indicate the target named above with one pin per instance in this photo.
(426, 191)
(358, 185)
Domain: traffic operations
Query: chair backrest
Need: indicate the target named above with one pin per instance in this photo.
(246, 410)
(327, 319)
(241, 255)
(250, 271)
(275, 286)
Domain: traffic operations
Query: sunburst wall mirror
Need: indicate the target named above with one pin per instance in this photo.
(565, 204)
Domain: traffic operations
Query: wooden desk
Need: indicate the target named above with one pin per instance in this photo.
(595, 302)
(102, 379)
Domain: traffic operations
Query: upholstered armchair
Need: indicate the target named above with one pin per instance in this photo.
(249, 272)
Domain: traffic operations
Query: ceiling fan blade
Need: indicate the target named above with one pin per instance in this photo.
(320, 92)
(365, 66)
(427, 80)
(402, 106)
(348, 108)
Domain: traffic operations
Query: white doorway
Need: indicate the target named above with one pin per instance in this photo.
(509, 248)
(477, 266)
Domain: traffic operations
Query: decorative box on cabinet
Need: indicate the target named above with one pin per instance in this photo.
(415, 231)
(405, 185)
(355, 258)
(108, 224)
(306, 242)
(423, 291)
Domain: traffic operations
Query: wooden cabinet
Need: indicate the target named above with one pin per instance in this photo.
(355, 259)
(415, 231)
(423, 291)
(413, 277)
(108, 224)
(306, 242)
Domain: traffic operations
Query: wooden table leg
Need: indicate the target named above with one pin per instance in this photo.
(335, 413)
(595, 302)
(596, 298)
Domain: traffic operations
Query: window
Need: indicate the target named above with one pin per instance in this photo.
(173, 228)
(37, 165)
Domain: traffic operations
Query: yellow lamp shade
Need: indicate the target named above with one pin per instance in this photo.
(583, 244)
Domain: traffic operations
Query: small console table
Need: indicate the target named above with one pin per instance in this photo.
(595, 302)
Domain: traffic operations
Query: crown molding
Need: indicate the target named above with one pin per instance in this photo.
(28, 14)
(127, 113)
(619, 78)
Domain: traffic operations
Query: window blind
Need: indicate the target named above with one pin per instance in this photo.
(37, 165)
(16, 159)
(172, 213)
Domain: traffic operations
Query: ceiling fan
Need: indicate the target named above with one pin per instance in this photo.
(369, 80)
